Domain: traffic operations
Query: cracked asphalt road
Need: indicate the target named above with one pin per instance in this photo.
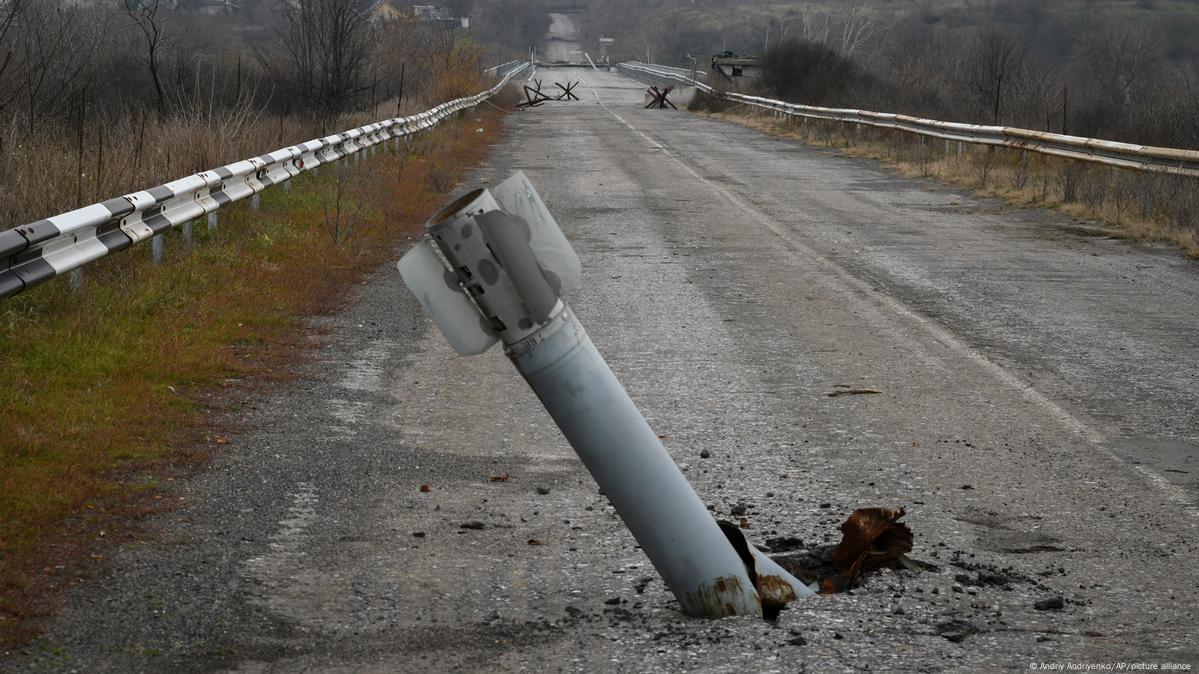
(1037, 419)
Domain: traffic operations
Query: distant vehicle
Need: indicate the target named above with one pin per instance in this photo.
(730, 64)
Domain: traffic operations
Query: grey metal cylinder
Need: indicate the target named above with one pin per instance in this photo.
(627, 460)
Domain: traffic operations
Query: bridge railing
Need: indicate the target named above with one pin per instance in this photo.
(1111, 153)
(42, 250)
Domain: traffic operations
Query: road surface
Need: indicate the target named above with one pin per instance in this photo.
(1036, 418)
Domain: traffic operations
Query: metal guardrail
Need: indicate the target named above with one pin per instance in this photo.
(42, 250)
(1111, 153)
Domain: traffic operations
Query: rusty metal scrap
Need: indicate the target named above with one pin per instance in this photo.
(871, 539)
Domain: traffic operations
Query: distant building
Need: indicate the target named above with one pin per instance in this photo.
(394, 10)
(439, 15)
(210, 6)
(385, 10)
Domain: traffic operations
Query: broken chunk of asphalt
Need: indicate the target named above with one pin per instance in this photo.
(956, 630)
(1050, 604)
(783, 544)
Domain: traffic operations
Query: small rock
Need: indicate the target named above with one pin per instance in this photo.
(898, 610)
(705, 454)
(418, 534)
(472, 525)
(543, 490)
(826, 505)
(798, 641)
(956, 630)
(1051, 604)
(737, 510)
(957, 589)
(967, 486)
(613, 601)
(837, 636)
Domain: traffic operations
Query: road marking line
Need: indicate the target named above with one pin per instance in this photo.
(1093, 437)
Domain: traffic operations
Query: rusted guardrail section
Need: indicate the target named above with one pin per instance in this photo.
(1111, 153)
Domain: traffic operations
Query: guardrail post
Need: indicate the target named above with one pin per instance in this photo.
(157, 248)
(76, 280)
(549, 347)
(212, 218)
(287, 185)
(187, 234)
(961, 149)
(256, 201)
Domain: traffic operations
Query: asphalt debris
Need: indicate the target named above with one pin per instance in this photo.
(1050, 604)
(956, 631)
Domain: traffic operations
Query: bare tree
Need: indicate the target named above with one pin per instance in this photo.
(1121, 61)
(145, 13)
(857, 28)
(8, 16)
(48, 52)
(989, 67)
(323, 47)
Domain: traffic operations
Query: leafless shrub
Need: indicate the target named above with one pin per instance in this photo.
(1019, 174)
(1183, 198)
(1094, 187)
(1068, 180)
(924, 156)
(343, 203)
(980, 163)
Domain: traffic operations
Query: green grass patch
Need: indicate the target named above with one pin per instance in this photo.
(108, 389)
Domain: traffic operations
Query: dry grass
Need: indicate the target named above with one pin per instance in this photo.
(109, 389)
(1127, 204)
(57, 168)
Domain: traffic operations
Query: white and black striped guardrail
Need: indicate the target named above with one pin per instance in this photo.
(42, 250)
(1111, 153)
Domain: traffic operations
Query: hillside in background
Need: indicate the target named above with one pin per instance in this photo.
(1122, 69)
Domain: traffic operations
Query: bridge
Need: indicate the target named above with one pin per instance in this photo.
(1025, 388)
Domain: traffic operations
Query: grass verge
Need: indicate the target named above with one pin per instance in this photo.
(1124, 204)
(109, 389)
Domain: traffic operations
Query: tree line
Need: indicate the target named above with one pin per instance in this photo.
(1117, 69)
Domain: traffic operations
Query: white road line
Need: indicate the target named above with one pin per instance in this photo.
(1093, 437)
